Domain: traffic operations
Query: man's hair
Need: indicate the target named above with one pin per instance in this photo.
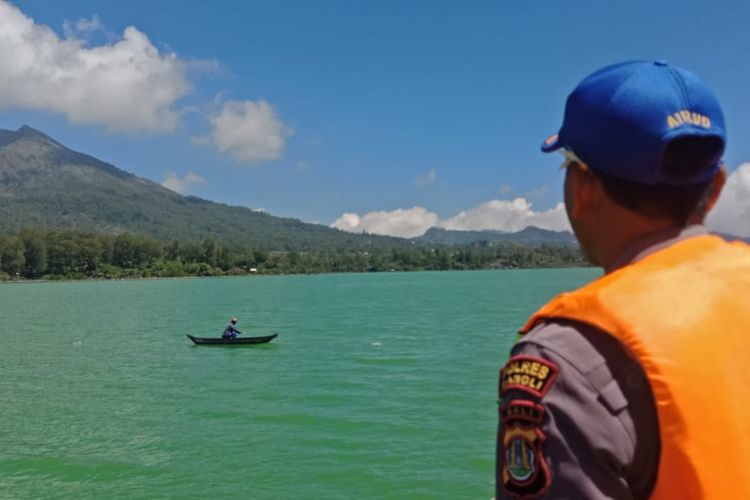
(683, 157)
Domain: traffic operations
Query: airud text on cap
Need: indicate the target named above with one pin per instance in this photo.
(686, 117)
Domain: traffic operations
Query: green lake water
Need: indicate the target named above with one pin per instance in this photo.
(379, 386)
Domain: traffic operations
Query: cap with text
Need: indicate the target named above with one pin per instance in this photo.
(620, 120)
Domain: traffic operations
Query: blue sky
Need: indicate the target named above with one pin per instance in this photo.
(395, 115)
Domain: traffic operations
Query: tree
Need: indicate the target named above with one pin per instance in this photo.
(172, 250)
(260, 256)
(224, 259)
(209, 251)
(12, 257)
(62, 251)
(131, 251)
(35, 253)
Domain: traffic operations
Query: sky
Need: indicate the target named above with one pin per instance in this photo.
(384, 116)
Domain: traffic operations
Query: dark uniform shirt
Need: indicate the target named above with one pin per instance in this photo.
(229, 330)
(582, 423)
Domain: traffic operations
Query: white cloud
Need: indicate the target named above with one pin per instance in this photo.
(83, 26)
(406, 223)
(504, 215)
(428, 178)
(730, 215)
(181, 185)
(499, 215)
(249, 131)
(732, 212)
(538, 192)
(348, 222)
(93, 24)
(127, 85)
(209, 67)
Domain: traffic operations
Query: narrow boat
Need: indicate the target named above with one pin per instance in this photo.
(234, 341)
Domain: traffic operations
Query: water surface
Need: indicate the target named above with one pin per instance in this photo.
(379, 385)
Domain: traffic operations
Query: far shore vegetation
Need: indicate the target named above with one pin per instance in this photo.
(34, 254)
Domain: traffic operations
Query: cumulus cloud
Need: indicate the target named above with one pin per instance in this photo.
(180, 185)
(127, 85)
(730, 215)
(498, 215)
(250, 131)
(504, 215)
(732, 212)
(405, 223)
(428, 178)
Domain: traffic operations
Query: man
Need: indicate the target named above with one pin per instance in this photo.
(636, 385)
(230, 331)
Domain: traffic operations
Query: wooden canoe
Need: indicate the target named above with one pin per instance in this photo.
(234, 341)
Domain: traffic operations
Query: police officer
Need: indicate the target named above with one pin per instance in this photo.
(636, 385)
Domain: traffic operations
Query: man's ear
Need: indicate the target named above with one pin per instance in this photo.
(717, 185)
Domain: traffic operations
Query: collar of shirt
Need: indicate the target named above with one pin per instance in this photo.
(653, 242)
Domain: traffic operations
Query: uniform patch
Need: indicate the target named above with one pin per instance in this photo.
(528, 373)
(526, 411)
(523, 470)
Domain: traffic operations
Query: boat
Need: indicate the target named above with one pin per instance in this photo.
(234, 341)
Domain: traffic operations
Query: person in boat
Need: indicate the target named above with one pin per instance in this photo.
(634, 386)
(230, 331)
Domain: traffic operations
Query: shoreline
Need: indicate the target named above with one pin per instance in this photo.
(258, 275)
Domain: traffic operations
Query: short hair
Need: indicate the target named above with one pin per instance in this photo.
(683, 157)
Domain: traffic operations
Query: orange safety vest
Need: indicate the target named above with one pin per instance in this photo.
(684, 313)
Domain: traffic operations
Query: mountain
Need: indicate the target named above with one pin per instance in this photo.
(47, 185)
(44, 184)
(531, 236)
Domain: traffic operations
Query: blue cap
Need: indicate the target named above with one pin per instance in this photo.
(620, 119)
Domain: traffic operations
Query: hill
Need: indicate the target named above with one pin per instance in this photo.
(44, 184)
(65, 214)
(530, 236)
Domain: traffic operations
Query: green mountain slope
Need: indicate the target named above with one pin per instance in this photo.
(530, 236)
(44, 184)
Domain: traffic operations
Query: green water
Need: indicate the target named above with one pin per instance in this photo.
(378, 386)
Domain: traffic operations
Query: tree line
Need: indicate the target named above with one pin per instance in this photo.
(68, 254)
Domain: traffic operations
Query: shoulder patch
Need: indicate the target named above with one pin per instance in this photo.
(525, 411)
(528, 373)
(523, 469)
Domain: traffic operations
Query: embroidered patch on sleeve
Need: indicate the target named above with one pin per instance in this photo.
(525, 411)
(523, 469)
(528, 373)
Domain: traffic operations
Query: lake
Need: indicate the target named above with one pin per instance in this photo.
(379, 386)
